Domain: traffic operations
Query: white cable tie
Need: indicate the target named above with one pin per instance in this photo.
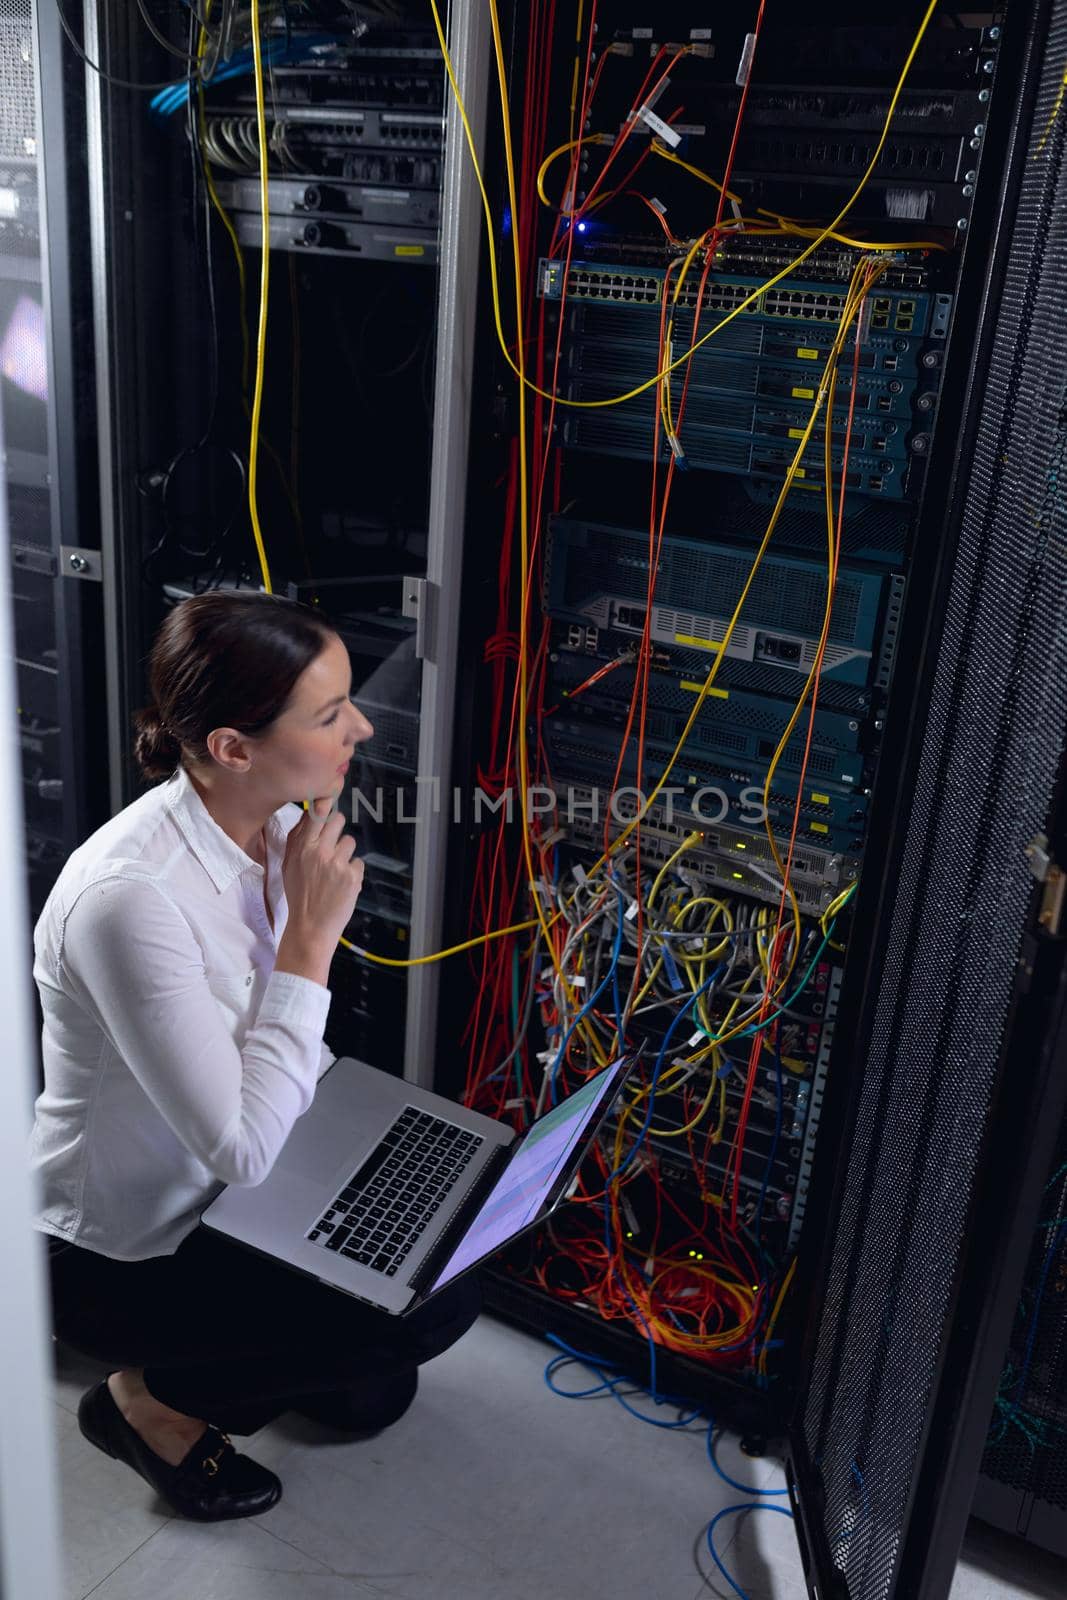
(631, 911)
(744, 66)
(658, 126)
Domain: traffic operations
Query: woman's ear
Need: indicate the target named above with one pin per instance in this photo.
(230, 749)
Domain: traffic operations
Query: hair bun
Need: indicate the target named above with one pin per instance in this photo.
(156, 750)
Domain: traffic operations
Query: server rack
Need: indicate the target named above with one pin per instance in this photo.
(361, 480)
(1019, 142)
(52, 540)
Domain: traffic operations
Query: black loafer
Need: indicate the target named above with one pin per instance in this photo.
(211, 1484)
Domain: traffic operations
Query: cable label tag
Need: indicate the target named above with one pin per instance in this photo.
(631, 911)
(577, 982)
(744, 66)
(698, 1038)
(659, 127)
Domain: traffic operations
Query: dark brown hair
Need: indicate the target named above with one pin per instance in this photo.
(221, 660)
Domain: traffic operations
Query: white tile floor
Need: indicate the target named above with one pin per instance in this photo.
(490, 1488)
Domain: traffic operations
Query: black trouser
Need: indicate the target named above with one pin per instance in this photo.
(235, 1338)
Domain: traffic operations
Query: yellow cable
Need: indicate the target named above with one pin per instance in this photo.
(657, 377)
(264, 291)
(1057, 105)
(439, 955)
(783, 1291)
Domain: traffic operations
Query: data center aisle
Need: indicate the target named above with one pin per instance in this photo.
(491, 1488)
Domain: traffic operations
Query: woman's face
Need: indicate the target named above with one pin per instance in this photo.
(304, 753)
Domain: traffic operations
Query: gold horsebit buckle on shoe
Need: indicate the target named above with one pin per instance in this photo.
(210, 1464)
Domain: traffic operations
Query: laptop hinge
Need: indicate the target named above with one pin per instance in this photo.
(428, 1269)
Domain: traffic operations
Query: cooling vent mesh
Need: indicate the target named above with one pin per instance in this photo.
(988, 760)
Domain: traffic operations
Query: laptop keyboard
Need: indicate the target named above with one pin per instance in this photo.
(388, 1203)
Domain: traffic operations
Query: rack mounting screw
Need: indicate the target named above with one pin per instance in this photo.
(961, 224)
(983, 95)
(968, 190)
(989, 66)
(969, 177)
(994, 33)
(78, 563)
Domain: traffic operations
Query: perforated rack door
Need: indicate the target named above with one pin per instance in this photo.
(942, 1125)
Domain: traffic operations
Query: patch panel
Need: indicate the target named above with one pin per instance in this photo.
(723, 292)
(765, 257)
(353, 125)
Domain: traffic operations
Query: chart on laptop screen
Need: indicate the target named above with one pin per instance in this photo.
(522, 1189)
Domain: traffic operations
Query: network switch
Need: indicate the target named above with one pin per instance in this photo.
(600, 576)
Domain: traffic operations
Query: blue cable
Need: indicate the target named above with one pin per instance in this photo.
(176, 95)
(745, 1488)
(675, 1020)
(731, 1511)
(611, 1379)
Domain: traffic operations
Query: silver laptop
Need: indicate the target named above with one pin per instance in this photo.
(389, 1192)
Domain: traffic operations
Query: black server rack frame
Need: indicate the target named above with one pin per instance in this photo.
(924, 565)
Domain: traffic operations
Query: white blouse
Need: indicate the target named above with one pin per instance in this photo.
(176, 1060)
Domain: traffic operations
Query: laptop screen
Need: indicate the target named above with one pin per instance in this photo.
(526, 1183)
